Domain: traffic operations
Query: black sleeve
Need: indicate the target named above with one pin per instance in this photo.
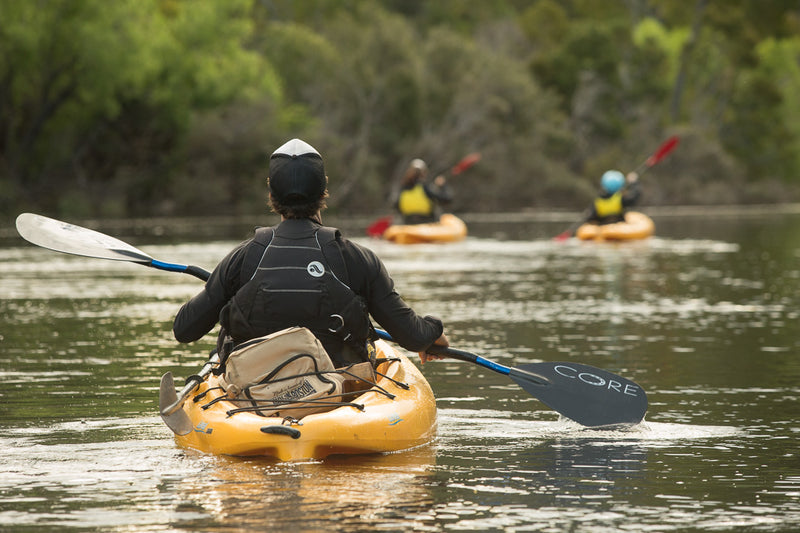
(369, 279)
(443, 195)
(632, 194)
(199, 315)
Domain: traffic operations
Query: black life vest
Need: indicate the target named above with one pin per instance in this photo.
(287, 280)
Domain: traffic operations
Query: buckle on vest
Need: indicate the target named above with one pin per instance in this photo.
(337, 327)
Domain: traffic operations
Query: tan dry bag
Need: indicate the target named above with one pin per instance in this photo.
(286, 373)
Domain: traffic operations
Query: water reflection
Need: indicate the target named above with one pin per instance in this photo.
(379, 491)
(110, 473)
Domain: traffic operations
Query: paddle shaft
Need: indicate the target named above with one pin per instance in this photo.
(192, 270)
(567, 233)
(464, 164)
(468, 357)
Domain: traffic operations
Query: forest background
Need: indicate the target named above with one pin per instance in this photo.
(132, 108)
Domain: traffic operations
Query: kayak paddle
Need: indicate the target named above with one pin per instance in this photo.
(464, 164)
(662, 152)
(665, 148)
(377, 228)
(590, 396)
(76, 240)
(567, 233)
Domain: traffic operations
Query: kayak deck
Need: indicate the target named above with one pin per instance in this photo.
(636, 226)
(384, 424)
(450, 228)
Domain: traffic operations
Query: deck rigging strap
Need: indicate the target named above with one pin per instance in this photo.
(390, 360)
(289, 407)
(257, 404)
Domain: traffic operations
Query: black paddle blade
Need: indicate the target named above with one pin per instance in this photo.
(590, 396)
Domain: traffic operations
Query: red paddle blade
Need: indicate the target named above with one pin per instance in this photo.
(663, 150)
(377, 228)
(465, 163)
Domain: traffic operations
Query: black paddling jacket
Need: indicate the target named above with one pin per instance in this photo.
(300, 273)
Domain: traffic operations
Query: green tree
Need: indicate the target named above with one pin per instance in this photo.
(478, 98)
(754, 128)
(367, 99)
(97, 96)
(545, 24)
(761, 124)
(172, 106)
(60, 71)
(778, 63)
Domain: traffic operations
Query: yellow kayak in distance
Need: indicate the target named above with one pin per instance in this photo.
(636, 226)
(383, 424)
(450, 228)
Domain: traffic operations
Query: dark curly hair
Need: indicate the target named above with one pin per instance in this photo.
(303, 210)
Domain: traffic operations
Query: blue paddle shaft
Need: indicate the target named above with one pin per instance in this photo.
(456, 354)
(185, 269)
(169, 267)
(491, 365)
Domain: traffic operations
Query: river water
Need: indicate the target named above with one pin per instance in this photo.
(704, 317)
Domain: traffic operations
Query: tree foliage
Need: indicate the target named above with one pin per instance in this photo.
(97, 96)
(138, 107)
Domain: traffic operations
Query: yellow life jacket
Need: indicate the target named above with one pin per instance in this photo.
(415, 201)
(606, 207)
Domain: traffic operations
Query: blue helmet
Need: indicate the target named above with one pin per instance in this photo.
(612, 181)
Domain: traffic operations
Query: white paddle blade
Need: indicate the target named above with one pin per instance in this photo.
(70, 239)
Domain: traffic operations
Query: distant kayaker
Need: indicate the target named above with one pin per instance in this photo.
(418, 201)
(617, 192)
(301, 273)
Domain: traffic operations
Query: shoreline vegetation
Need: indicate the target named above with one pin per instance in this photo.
(170, 108)
(354, 226)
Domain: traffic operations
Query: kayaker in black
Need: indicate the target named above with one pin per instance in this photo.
(418, 201)
(617, 193)
(301, 273)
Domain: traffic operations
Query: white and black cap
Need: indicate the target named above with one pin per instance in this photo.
(296, 173)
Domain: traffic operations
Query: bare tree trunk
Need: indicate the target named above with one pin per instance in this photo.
(686, 52)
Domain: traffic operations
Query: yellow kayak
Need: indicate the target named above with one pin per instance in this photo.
(384, 424)
(636, 226)
(450, 228)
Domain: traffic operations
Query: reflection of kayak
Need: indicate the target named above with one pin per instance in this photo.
(359, 490)
(450, 228)
(384, 425)
(636, 226)
(356, 490)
